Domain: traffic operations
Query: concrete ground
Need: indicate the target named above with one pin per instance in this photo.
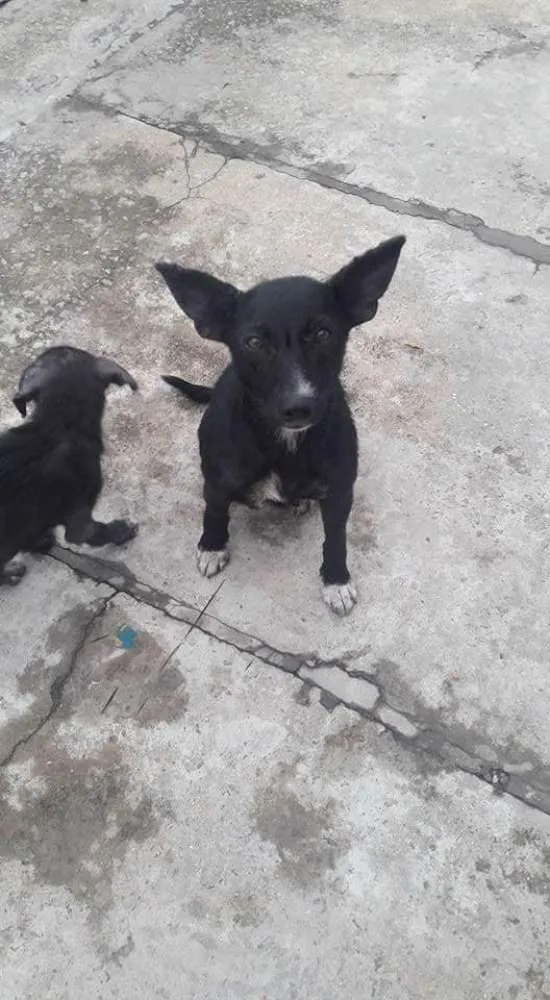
(215, 789)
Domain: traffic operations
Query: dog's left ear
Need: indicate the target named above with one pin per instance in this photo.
(360, 284)
(210, 303)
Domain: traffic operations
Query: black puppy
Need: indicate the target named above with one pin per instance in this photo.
(50, 466)
(278, 424)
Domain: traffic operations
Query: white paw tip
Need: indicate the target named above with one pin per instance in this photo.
(340, 597)
(210, 563)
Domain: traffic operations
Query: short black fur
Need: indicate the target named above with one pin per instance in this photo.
(50, 470)
(278, 415)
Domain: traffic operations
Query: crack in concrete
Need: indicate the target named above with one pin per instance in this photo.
(521, 45)
(193, 188)
(117, 576)
(78, 295)
(59, 683)
(234, 148)
(358, 691)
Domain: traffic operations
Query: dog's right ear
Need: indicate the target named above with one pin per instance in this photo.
(210, 303)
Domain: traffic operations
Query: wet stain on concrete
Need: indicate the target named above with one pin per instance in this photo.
(76, 819)
(44, 675)
(306, 837)
(86, 667)
(128, 160)
(141, 683)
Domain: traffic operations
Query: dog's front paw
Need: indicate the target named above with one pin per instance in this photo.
(340, 597)
(209, 563)
(122, 531)
(12, 574)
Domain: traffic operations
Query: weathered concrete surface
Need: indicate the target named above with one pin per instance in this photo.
(455, 459)
(48, 48)
(445, 104)
(193, 823)
(184, 815)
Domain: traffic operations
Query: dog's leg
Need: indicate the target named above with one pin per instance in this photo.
(338, 590)
(212, 554)
(82, 529)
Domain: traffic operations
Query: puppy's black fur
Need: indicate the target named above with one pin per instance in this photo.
(50, 469)
(278, 415)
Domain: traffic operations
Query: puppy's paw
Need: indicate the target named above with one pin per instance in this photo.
(209, 563)
(122, 531)
(301, 507)
(340, 597)
(12, 574)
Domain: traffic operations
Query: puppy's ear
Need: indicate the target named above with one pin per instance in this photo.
(112, 373)
(363, 281)
(20, 401)
(210, 303)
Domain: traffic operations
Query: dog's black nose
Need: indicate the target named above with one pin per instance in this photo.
(299, 414)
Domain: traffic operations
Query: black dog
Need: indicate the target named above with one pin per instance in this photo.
(50, 466)
(278, 425)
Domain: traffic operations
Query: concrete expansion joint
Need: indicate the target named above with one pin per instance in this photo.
(339, 685)
(233, 148)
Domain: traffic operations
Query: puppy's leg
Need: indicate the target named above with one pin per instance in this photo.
(301, 507)
(338, 590)
(12, 573)
(42, 543)
(82, 529)
(212, 554)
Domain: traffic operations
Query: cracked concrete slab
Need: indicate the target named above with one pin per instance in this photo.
(403, 101)
(448, 535)
(236, 839)
(36, 654)
(32, 75)
(170, 791)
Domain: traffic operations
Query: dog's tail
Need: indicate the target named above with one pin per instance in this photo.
(198, 393)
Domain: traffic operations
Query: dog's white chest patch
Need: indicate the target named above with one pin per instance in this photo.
(267, 490)
(291, 438)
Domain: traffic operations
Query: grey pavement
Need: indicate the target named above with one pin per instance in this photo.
(216, 789)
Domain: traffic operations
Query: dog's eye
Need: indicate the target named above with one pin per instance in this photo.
(254, 343)
(322, 336)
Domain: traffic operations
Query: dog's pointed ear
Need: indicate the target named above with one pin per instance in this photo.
(362, 282)
(210, 303)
